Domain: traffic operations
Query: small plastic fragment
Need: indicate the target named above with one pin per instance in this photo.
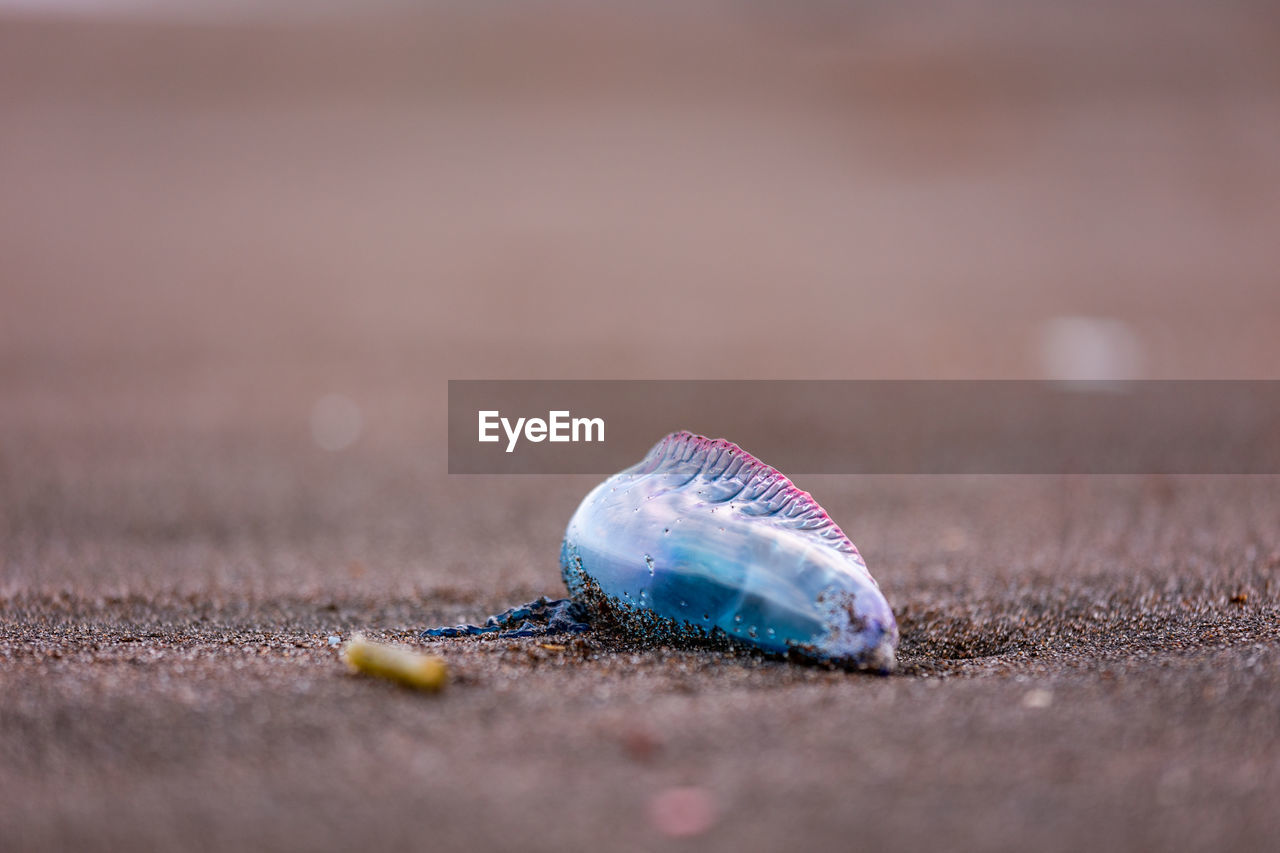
(412, 669)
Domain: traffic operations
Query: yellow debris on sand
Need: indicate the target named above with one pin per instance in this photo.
(412, 669)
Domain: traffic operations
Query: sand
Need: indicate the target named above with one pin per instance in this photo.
(207, 229)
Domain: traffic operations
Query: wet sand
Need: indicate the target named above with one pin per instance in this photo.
(207, 229)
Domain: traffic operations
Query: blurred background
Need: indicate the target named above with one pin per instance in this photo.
(244, 245)
(237, 236)
(221, 195)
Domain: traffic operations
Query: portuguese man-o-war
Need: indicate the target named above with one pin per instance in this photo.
(700, 543)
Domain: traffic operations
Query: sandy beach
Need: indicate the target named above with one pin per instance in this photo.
(209, 226)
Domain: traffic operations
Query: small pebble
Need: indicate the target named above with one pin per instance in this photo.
(335, 640)
(682, 812)
(1037, 698)
(640, 744)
